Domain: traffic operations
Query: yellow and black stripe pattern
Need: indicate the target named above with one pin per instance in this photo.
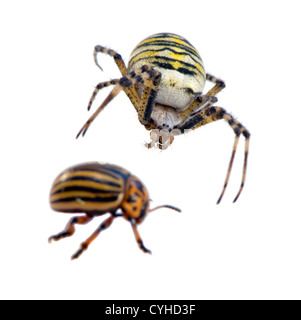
(167, 51)
(95, 189)
(91, 187)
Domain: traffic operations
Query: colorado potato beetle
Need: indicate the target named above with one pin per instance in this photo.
(96, 189)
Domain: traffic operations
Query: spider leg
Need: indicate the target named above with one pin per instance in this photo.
(207, 115)
(138, 237)
(138, 76)
(112, 95)
(84, 245)
(112, 53)
(130, 92)
(99, 87)
(200, 102)
(69, 229)
(219, 85)
(206, 100)
(150, 90)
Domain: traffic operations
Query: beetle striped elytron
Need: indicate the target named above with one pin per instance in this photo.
(164, 80)
(96, 189)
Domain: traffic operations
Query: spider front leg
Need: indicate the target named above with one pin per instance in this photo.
(150, 90)
(131, 92)
(112, 53)
(141, 75)
(99, 87)
(211, 114)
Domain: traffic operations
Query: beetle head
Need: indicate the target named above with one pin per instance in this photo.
(136, 200)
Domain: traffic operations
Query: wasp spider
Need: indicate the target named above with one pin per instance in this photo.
(164, 81)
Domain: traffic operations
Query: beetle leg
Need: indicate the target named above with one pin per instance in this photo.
(84, 245)
(138, 238)
(70, 229)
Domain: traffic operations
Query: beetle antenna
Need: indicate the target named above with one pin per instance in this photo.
(166, 206)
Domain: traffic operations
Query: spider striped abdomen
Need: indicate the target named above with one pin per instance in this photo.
(183, 74)
(92, 188)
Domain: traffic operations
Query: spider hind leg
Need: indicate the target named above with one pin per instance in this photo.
(211, 114)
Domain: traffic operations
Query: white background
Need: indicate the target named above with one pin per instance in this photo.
(247, 250)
